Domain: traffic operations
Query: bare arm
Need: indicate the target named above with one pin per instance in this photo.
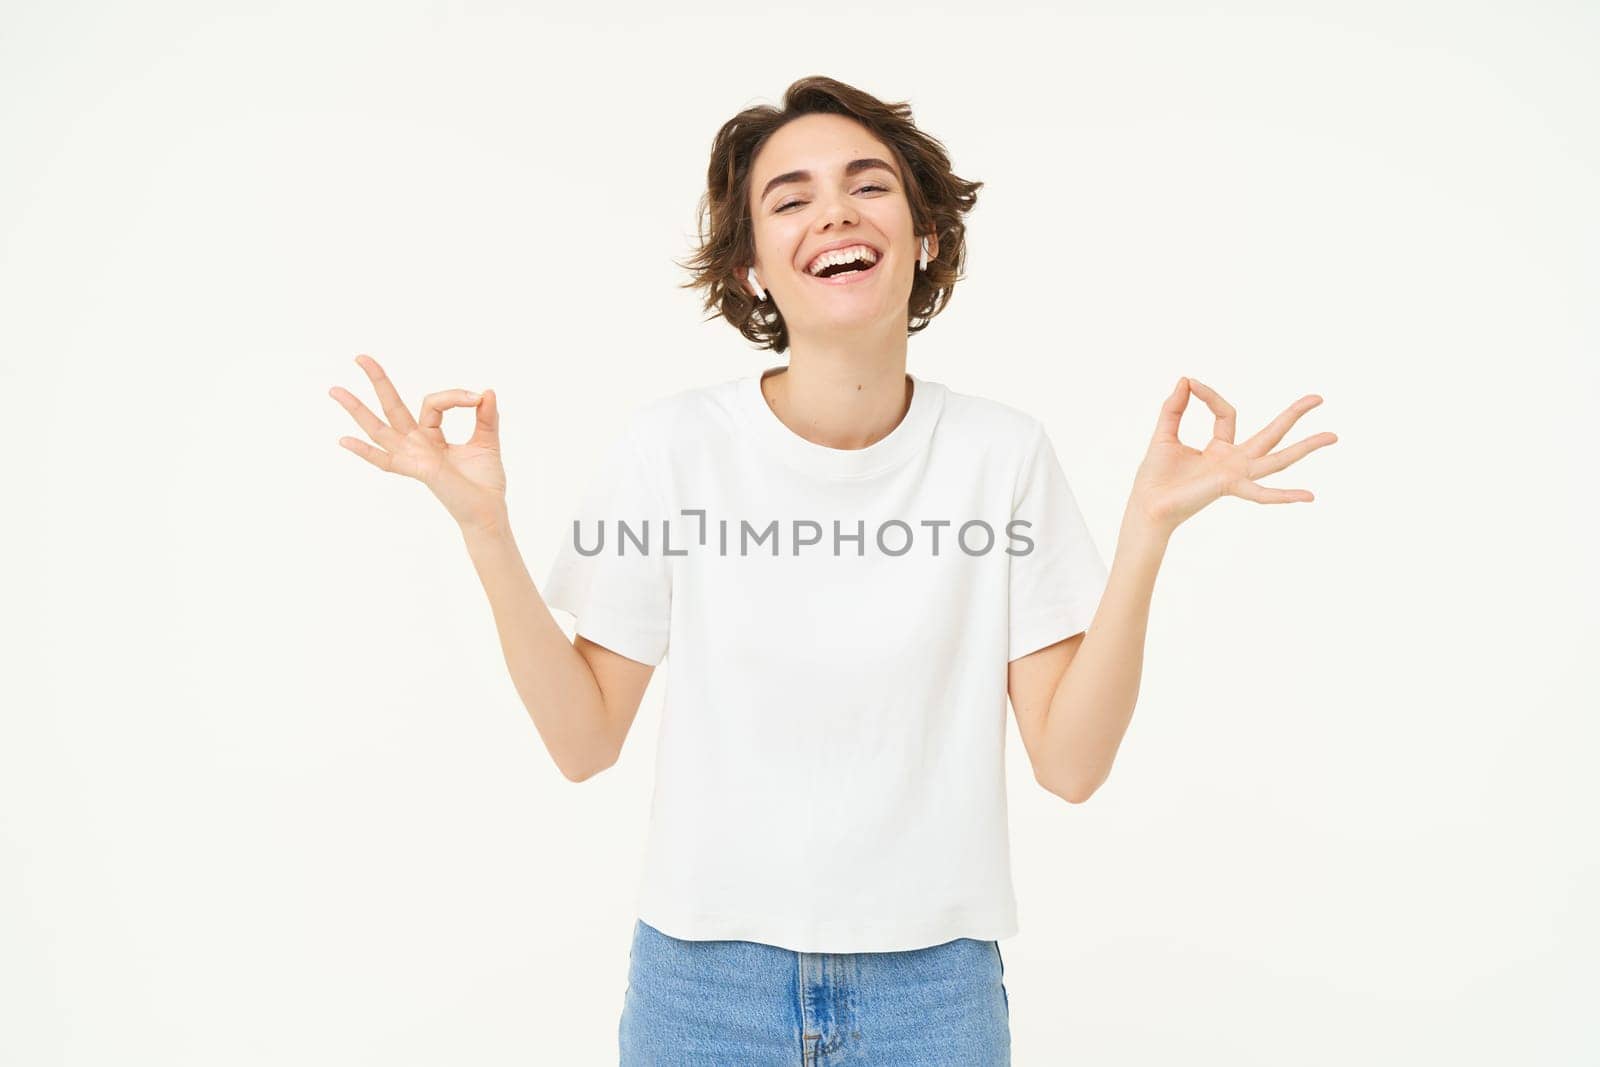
(581, 696)
(1089, 706)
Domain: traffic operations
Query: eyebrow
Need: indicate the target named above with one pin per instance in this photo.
(855, 166)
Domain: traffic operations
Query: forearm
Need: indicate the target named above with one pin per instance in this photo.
(553, 679)
(1094, 700)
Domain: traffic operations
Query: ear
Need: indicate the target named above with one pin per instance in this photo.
(933, 247)
(743, 278)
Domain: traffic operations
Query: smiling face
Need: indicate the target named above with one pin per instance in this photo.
(822, 180)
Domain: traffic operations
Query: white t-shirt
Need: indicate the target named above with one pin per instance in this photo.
(830, 773)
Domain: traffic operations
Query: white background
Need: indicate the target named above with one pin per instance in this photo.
(267, 795)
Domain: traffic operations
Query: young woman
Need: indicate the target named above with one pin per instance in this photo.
(853, 567)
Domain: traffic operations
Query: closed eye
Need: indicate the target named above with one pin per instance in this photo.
(791, 203)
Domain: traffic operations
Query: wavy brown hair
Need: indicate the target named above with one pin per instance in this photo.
(938, 198)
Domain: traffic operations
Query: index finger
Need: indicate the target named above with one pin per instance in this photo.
(1226, 417)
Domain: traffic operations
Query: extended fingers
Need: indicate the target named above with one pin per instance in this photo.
(375, 456)
(393, 406)
(1276, 461)
(1273, 431)
(1226, 416)
(1262, 495)
(376, 428)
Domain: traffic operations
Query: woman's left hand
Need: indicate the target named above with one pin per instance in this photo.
(1176, 481)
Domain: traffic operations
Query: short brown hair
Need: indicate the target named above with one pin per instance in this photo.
(938, 198)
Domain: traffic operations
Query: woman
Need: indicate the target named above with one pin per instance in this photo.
(854, 567)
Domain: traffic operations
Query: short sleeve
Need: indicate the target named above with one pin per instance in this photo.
(618, 587)
(1057, 582)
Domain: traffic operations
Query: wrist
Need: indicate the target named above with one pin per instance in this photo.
(1140, 528)
(494, 528)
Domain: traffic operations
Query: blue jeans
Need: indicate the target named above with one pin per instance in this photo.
(747, 1004)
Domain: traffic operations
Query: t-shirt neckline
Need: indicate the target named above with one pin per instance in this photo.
(908, 436)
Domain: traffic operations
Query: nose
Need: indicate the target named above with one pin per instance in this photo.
(838, 209)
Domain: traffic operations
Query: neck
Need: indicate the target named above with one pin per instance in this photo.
(842, 393)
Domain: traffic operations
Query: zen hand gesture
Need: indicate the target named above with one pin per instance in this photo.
(467, 478)
(1175, 481)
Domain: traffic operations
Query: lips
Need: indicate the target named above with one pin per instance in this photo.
(850, 277)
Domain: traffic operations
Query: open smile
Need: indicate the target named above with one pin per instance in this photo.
(850, 277)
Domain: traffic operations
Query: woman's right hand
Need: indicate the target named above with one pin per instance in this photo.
(467, 478)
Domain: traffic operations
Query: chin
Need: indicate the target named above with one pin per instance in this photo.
(849, 309)
(848, 318)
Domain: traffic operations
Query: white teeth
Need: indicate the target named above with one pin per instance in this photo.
(843, 255)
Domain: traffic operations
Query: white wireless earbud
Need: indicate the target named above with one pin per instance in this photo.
(923, 262)
(761, 294)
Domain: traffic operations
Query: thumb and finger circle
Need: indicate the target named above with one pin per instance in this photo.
(1226, 416)
(1173, 407)
(1172, 410)
(391, 435)
(431, 415)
